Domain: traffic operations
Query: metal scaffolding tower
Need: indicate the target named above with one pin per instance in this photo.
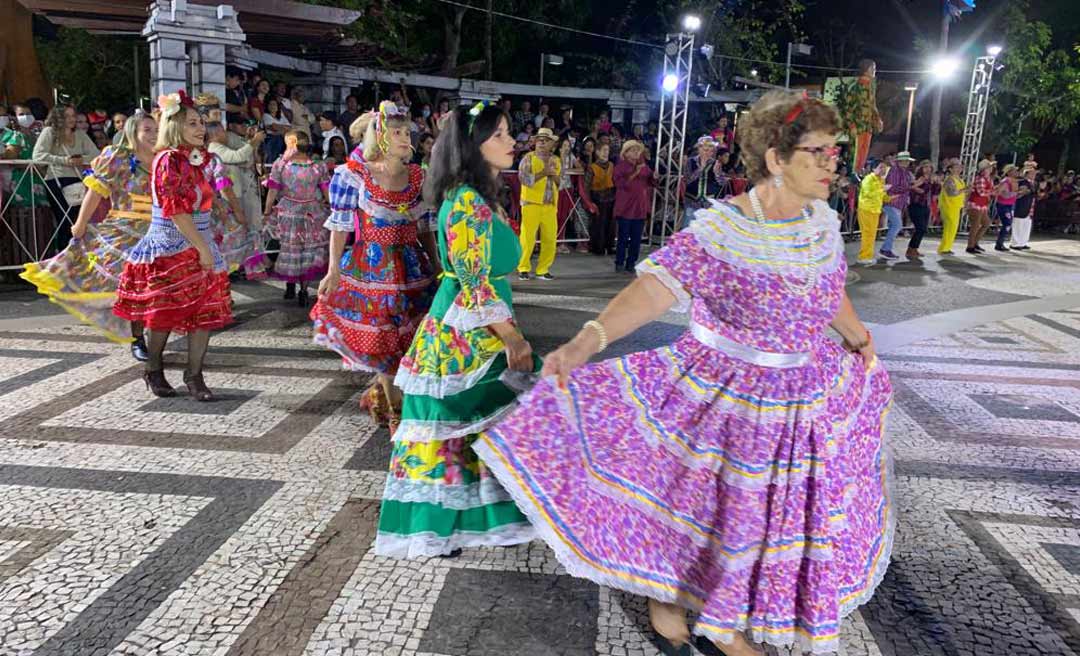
(671, 140)
(978, 101)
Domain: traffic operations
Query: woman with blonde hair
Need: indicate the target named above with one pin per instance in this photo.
(739, 472)
(83, 277)
(174, 279)
(299, 187)
(375, 294)
(950, 203)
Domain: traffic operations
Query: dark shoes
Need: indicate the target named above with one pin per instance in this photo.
(973, 251)
(290, 291)
(157, 384)
(197, 388)
(1001, 249)
(523, 275)
(302, 298)
(545, 276)
(138, 349)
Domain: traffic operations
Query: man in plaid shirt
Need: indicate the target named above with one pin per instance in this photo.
(898, 183)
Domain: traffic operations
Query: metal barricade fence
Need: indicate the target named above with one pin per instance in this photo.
(575, 212)
(28, 226)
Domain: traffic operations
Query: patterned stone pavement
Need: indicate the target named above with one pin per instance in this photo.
(131, 525)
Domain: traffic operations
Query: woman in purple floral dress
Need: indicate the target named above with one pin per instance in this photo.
(739, 472)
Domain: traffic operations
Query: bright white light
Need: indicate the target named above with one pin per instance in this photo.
(670, 83)
(944, 67)
(993, 51)
(691, 23)
(910, 87)
(753, 72)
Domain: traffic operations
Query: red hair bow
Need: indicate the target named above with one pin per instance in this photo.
(796, 110)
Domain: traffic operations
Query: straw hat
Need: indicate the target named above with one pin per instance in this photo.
(904, 156)
(985, 164)
(1008, 167)
(630, 144)
(545, 133)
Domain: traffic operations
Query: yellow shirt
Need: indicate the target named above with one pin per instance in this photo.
(872, 193)
(537, 189)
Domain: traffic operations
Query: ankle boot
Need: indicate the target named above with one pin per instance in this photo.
(157, 383)
(197, 388)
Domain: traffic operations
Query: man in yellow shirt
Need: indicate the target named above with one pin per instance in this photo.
(872, 196)
(539, 175)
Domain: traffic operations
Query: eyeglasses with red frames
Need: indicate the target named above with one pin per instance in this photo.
(822, 154)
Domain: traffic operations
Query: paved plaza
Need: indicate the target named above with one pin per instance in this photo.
(131, 525)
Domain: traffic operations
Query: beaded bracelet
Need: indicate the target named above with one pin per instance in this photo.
(600, 332)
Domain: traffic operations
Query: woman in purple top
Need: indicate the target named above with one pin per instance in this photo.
(633, 184)
(739, 472)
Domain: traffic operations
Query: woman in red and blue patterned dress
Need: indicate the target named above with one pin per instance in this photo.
(174, 279)
(375, 294)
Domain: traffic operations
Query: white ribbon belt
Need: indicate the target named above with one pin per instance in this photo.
(743, 352)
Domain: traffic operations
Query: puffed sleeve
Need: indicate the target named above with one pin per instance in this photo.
(174, 184)
(346, 189)
(109, 170)
(326, 172)
(468, 235)
(427, 217)
(276, 178)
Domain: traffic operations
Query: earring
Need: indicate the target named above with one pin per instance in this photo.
(778, 181)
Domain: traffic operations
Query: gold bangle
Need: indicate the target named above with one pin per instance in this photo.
(600, 332)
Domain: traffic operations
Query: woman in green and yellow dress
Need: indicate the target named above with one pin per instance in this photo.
(467, 363)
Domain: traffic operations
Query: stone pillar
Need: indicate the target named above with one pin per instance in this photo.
(327, 91)
(187, 46)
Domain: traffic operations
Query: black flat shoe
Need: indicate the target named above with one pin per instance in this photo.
(157, 384)
(290, 291)
(453, 554)
(197, 388)
(302, 298)
(139, 351)
(668, 648)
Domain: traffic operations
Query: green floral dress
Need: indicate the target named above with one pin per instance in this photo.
(439, 496)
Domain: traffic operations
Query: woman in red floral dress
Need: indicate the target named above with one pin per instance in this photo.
(175, 279)
(375, 294)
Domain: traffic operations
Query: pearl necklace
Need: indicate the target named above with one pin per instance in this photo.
(803, 286)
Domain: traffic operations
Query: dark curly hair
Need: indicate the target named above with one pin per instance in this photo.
(767, 126)
(456, 159)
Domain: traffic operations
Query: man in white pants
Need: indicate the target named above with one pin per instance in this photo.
(1023, 211)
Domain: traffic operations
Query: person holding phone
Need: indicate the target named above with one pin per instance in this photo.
(66, 151)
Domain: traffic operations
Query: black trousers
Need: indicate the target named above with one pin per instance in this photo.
(920, 218)
(602, 227)
(629, 245)
(65, 214)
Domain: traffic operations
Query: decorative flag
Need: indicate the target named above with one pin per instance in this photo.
(956, 7)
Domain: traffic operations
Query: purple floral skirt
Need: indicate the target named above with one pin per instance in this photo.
(757, 497)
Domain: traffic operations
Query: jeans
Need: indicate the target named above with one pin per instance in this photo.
(920, 217)
(892, 215)
(602, 226)
(628, 247)
(1005, 215)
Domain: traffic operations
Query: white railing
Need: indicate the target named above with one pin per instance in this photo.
(21, 240)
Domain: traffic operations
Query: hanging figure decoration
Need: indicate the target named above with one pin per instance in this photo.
(865, 118)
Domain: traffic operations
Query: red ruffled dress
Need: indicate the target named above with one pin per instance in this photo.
(163, 285)
(387, 281)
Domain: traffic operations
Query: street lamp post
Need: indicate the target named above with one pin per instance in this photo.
(554, 60)
(800, 49)
(910, 110)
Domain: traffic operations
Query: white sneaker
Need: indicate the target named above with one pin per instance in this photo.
(865, 262)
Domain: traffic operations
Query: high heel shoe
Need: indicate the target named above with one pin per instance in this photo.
(374, 403)
(157, 384)
(197, 388)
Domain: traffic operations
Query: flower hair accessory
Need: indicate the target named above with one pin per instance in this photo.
(196, 157)
(797, 110)
(171, 103)
(474, 113)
